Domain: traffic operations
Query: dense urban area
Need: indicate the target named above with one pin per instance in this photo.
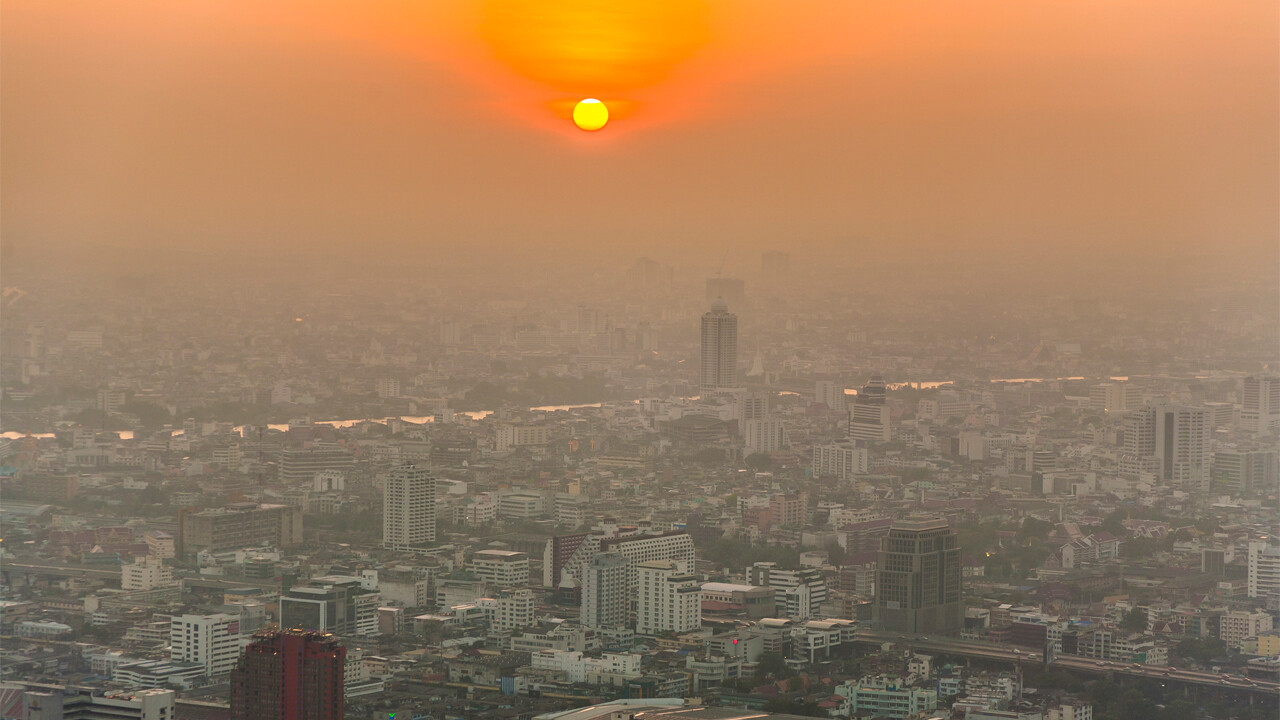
(891, 489)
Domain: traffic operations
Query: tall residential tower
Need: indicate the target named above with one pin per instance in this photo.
(719, 349)
(408, 508)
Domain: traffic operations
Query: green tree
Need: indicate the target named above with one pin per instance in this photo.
(1134, 621)
(772, 665)
(759, 462)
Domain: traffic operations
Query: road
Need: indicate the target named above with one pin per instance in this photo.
(989, 651)
(62, 570)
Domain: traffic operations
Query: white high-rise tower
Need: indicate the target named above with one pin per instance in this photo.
(408, 508)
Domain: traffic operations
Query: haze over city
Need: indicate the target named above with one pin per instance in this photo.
(706, 359)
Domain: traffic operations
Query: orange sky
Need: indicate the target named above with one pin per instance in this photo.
(1073, 123)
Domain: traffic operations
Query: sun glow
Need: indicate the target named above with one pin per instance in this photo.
(590, 114)
(576, 47)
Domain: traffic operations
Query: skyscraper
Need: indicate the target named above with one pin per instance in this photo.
(719, 349)
(918, 578)
(289, 675)
(604, 591)
(408, 508)
(869, 418)
(1170, 440)
(1260, 403)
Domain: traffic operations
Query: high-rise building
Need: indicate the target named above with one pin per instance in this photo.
(209, 640)
(1170, 440)
(869, 417)
(829, 393)
(408, 509)
(719, 349)
(765, 435)
(1264, 569)
(1260, 403)
(289, 675)
(668, 599)
(796, 593)
(918, 578)
(604, 591)
(840, 460)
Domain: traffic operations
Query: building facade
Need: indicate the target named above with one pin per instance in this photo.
(289, 675)
(918, 578)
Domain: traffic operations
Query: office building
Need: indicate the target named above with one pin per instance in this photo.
(338, 605)
(501, 568)
(300, 465)
(289, 675)
(408, 509)
(918, 579)
(797, 594)
(238, 526)
(211, 641)
(1240, 472)
(1260, 403)
(1264, 569)
(1171, 442)
(719, 371)
(1114, 397)
(869, 417)
(604, 591)
(668, 598)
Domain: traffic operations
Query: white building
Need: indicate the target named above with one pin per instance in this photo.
(160, 544)
(1172, 440)
(764, 435)
(1238, 625)
(41, 703)
(1074, 710)
(840, 460)
(511, 435)
(408, 508)
(1264, 569)
(1260, 404)
(501, 568)
(510, 610)
(521, 504)
(604, 591)
(211, 641)
(829, 393)
(669, 598)
(146, 573)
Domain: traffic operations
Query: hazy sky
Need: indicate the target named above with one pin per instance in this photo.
(383, 125)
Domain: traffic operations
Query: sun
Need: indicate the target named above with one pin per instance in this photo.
(590, 114)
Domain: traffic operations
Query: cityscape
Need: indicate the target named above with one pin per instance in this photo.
(288, 443)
